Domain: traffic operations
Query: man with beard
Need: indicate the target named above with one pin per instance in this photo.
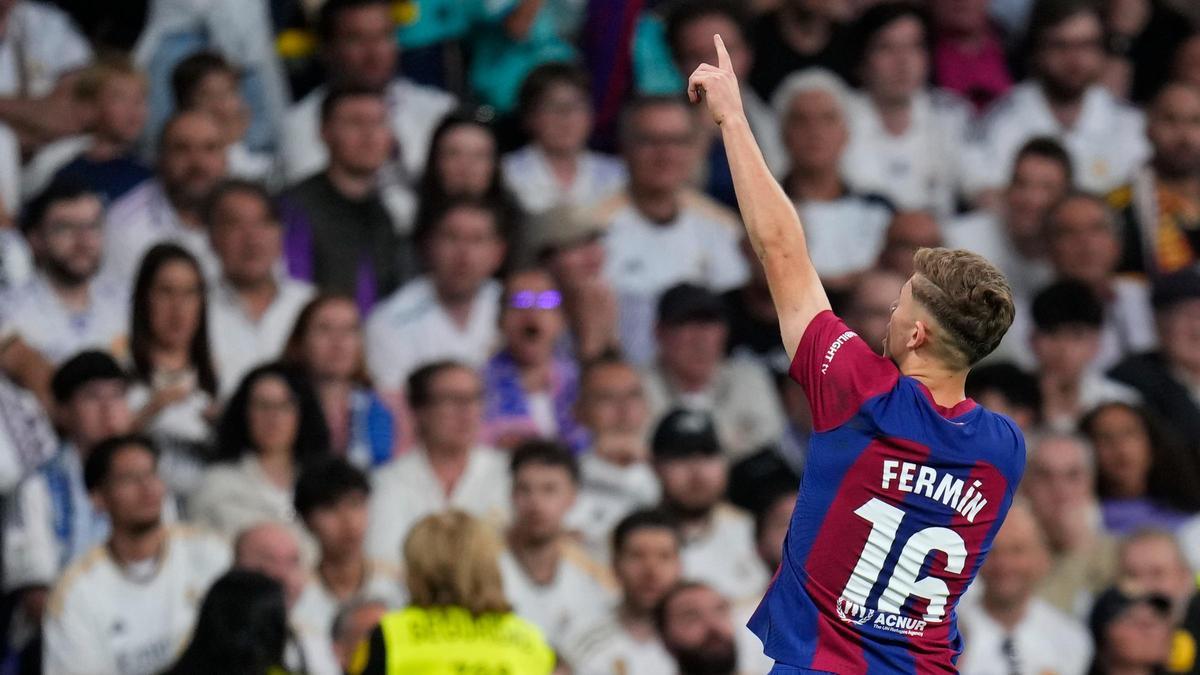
(128, 606)
(168, 207)
(64, 308)
(694, 623)
(1064, 100)
(1161, 206)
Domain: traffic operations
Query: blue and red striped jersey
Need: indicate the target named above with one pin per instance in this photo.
(900, 501)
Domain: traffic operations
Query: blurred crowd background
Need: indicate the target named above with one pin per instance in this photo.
(321, 313)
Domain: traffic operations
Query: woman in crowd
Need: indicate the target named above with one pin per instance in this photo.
(1142, 477)
(530, 388)
(175, 383)
(242, 628)
(458, 618)
(271, 427)
(327, 345)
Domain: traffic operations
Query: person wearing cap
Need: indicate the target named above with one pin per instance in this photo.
(50, 519)
(1011, 629)
(529, 389)
(67, 306)
(1132, 633)
(1169, 379)
(568, 242)
(1068, 320)
(718, 539)
(694, 372)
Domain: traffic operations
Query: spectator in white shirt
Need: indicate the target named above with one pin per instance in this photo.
(693, 372)
(844, 228)
(174, 382)
(1083, 241)
(694, 623)
(556, 168)
(615, 473)
(359, 49)
(66, 307)
(908, 232)
(1067, 320)
(448, 469)
(205, 81)
(659, 213)
(1063, 99)
(452, 312)
(331, 500)
(147, 580)
(906, 139)
(718, 538)
(645, 552)
(548, 578)
(270, 430)
(253, 305)
(1010, 629)
(167, 208)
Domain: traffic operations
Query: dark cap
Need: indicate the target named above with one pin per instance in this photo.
(81, 369)
(1066, 303)
(684, 303)
(1175, 288)
(1113, 603)
(685, 433)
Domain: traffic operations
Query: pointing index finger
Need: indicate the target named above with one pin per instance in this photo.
(723, 61)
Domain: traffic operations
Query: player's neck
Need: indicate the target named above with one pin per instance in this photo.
(948, 388)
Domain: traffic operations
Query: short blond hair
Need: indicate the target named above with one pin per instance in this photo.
(969, 299)
(109, 67)
(452, 559)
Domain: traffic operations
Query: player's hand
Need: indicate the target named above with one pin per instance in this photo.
(717, 86)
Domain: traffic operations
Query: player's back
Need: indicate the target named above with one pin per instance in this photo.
(900, 501)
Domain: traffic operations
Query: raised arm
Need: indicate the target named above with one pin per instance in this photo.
(771, 221)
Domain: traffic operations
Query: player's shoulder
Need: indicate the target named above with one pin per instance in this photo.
(75, 582)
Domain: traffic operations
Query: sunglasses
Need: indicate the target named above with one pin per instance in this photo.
(532, 300)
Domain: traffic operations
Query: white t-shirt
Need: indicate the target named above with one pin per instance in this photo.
(723, 556)
(606, 648)
(1106, 145)
(40, 44)
(56, 331)
(240, 343)
(406, 490)
(1046, 641)
(414, 110)
(410, 328)
(40, 170)
(608, 493)
(844, 235)
(317, 608)
(530, 178)
(918, 169)
(581, 592)
(141, 219)
(16, 261)
(101, 620)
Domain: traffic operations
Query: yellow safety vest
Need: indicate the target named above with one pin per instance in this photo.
(451, 641)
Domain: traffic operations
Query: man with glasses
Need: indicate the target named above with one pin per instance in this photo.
(448, 469)
(660, 213)
(66, 307)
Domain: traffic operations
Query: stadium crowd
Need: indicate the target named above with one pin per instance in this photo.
(370, 335)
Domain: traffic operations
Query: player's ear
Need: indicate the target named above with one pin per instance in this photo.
(918, 336)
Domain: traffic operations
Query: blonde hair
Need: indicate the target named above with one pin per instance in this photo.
(451, 559)
(108, 67)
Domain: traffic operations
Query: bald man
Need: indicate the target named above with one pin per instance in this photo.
(1010, 625)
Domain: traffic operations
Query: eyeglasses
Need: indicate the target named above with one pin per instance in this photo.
(532, 300)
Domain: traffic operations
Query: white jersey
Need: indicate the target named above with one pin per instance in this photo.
(723, 556)
(532, 181)
(410, 328)
(142, 218)
(101, 620)
(58, 332)
(1107, 144)
(406, 490)
(317, 608)
(40, 44)
(239, 343)
(607, 648)
(918, 169)
(1045, 641)
(582, 591)
(844, 235)
(608, 493)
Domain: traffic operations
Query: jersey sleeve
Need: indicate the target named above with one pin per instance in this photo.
(838, 371)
